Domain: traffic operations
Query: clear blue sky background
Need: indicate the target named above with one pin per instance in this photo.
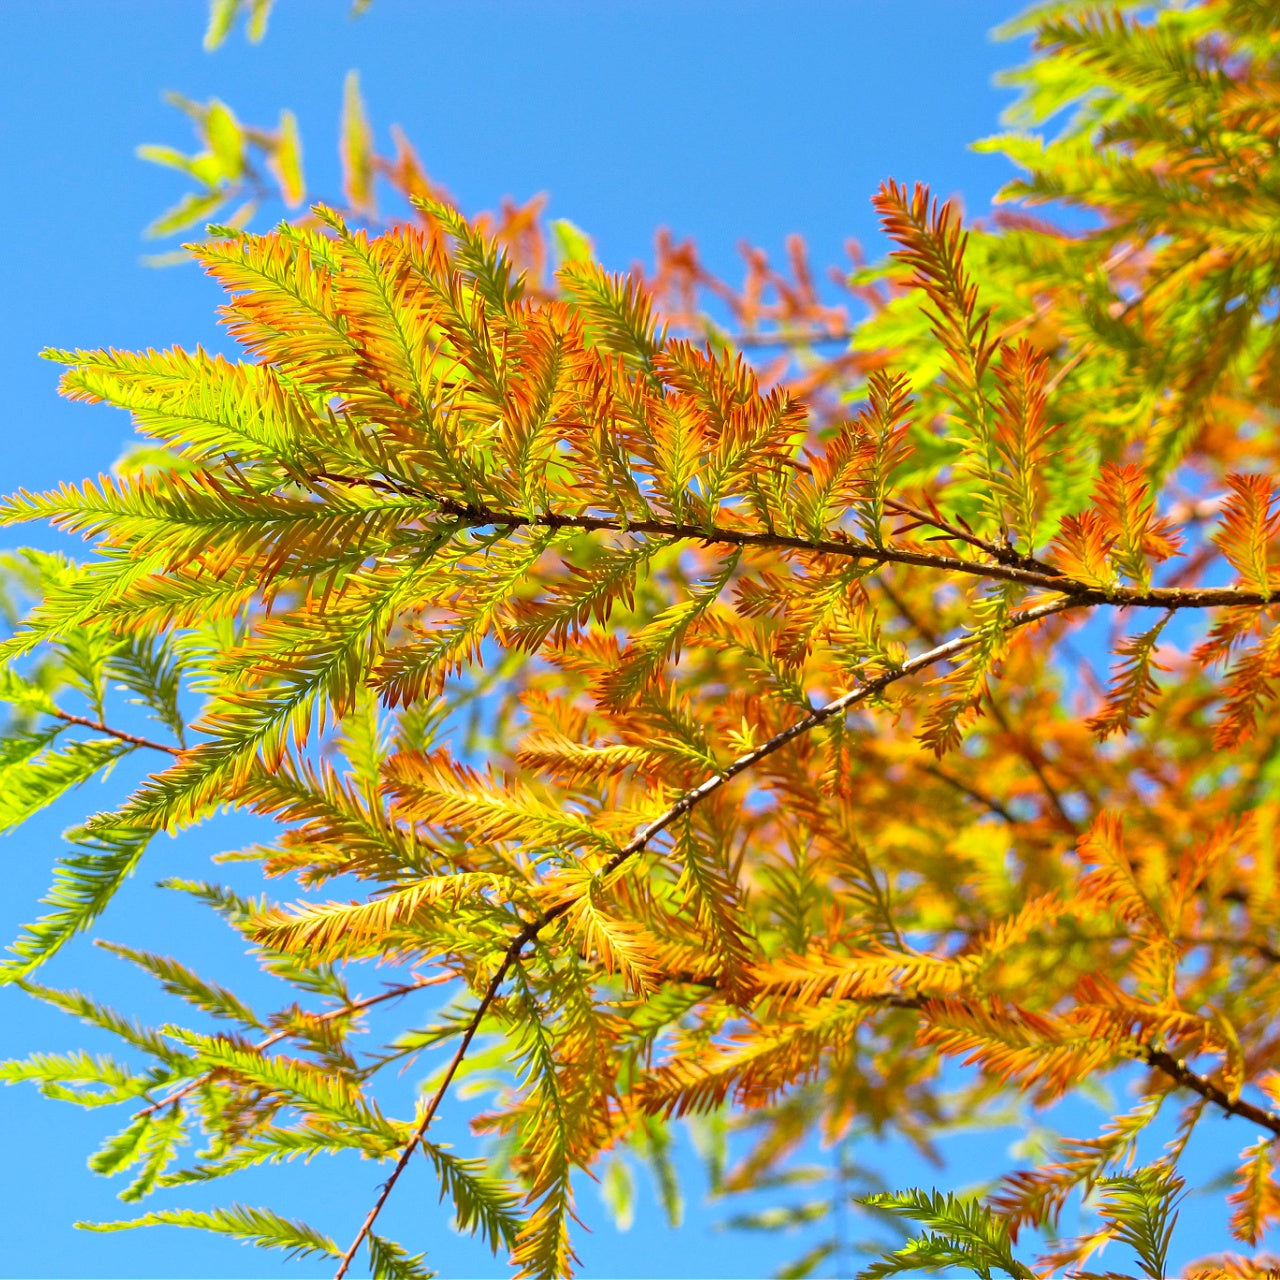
(724, 121)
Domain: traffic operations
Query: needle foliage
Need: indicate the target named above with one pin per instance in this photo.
(713, 740)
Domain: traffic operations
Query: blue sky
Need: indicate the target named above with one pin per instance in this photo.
(723, 121)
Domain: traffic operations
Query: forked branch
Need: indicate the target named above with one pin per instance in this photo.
(683, 805)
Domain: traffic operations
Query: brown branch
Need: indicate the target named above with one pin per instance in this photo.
(508, 959)
(99, 727)
(1157, 1059)
(475, 515)
(690, 799)
(1003, 553)
(1178, 1071)
(1024, 750)
(979, 797)
(800, 338)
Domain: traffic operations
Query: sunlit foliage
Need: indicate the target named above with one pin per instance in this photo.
(788, 777)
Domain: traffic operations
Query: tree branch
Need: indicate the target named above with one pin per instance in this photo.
(499, 977)
(98, 727)
(1177, 1070)
(1003, 554)
(476, 515)
(640, 841)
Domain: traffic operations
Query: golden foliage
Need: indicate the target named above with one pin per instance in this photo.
(713, 734)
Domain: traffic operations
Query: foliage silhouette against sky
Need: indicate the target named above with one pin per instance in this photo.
(734, 746)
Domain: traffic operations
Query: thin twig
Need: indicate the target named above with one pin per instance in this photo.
(1176, 1069)
(1035, 761)
(980, 797)
(1032, 762)
(690, 799)
(355, 1006)
(98, 727)
(425, 1123)
(1002, 553)
(477, 515)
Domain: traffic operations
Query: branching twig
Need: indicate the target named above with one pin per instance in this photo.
(98, 727)
(476, 515)
(355, 1006)
(1001, 553)
(512, 952)
(688, 801)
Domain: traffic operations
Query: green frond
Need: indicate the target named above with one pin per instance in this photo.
(25, 694)
(88, 594)
(63, 1076)
(83, 884)
(151, 668)
(437, 791)
(158, 1148)
(266, 1145)
(653, 645)
(240, 913)
(415, 671)
(620, 945)
(590, 590)
(932, 243)
(963, 1234)
(1139, 1209)
(482, 1202)
(396, 923)
(179, 980)
(391, 1261)
(654, 1144)
(483, 261)
(85, 654)
(339, 828)
(331, 653)
(123, 1149)
(96, 1014)
(542, 1248)
(963, 688)
(34, 773)
(708, 887)
(618, 313)
(259, 1227)
(366, 743)
(205, 407)
(321, 1094)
